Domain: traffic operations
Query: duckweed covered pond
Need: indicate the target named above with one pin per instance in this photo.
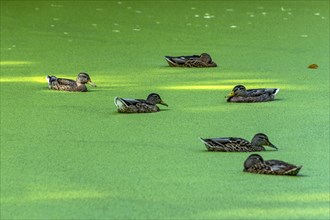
(72, 156)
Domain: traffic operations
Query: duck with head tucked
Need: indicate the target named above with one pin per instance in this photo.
(256, 164)
(78, 85)
(203, 60)
(126, 105)
(241, 94)
(234, 144)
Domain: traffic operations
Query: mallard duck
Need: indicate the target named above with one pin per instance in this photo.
(233, 144)
(125, 105)
(69, 84)
(255, 164)
(240, 94)
(203, 60)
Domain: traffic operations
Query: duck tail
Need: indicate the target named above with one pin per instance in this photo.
(207, 144)
(48, 78)
(121, 105)
(276, 91)
(52, 81)
(294, 171)
(170, 61)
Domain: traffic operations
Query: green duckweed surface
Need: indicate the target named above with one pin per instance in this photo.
(72, 156)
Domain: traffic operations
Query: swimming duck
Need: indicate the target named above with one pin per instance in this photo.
(240, 94)
(69, 84)
(125, 105)
(203, 60)
(255, 164)
(233, 144)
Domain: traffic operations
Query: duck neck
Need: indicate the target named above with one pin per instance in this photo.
(243, 94)
(151, 101)
(257, 146)
(81, 88)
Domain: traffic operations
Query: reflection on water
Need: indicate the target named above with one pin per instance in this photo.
(12, 63)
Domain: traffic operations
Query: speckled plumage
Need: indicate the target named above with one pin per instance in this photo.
(69, 84)
(125, 105)
(255, 164)
(203, 60)
(241, 94)
(233, 144)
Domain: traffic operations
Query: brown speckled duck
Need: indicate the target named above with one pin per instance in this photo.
(234, 144)
(255, 164)
(241, 94)
(69, 84)
(203, 60)
(125, 105)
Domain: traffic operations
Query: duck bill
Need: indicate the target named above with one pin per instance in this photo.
(163, 103)
(230, 95)
(91, 83)
(272, 145)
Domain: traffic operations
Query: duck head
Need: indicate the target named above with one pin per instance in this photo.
(205, 58)
(252, 160)
(262, 140)
(154, 99)
(238, 90)
(84, 78)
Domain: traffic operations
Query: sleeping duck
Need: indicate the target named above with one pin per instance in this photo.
(256, 164)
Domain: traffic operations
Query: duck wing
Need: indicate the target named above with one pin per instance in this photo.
(281, 167)
(226, 144)
(128, 101)
(259, 92)
(66, 82)
(180, 60)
